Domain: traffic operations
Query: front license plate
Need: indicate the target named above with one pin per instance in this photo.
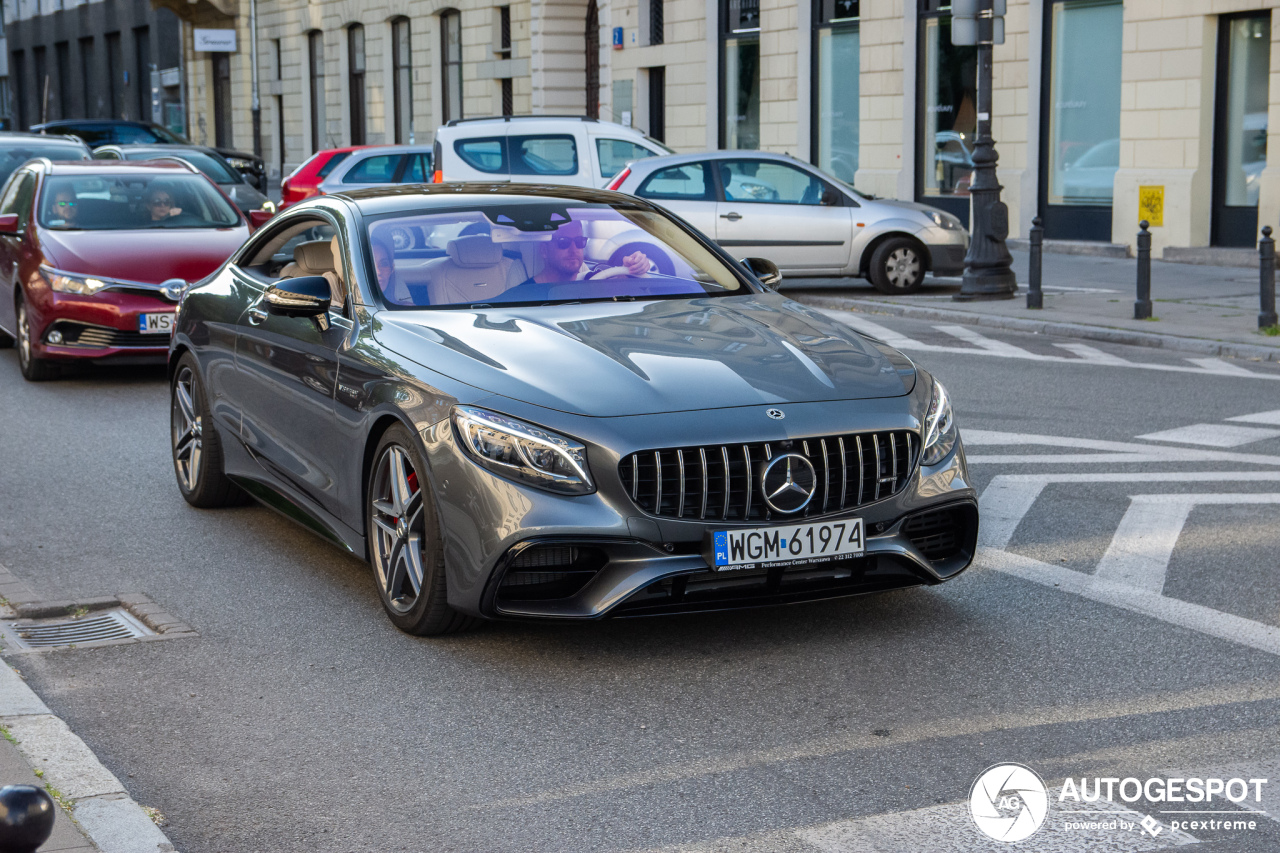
(796, 544)
(155, 324)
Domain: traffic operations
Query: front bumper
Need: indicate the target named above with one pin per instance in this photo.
(947, 250)
(515, 552)
(102, 326)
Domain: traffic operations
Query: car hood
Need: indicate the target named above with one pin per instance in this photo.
(607, 359)
(148, 256)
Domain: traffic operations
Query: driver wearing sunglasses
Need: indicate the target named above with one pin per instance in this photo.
(563, 258)
(65, 208)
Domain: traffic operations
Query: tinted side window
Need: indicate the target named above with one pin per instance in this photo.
(484, 155)
(614, 154)
(333, 163)
(23, 198)
(93, 136)
(418, 170)
(9, 203)
(763, 180)
(374, 170)
(689, 182)
(543, 155)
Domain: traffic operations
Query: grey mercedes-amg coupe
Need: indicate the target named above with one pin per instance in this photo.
(545, 402)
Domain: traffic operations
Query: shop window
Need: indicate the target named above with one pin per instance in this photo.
(740, 73)
(835, 107)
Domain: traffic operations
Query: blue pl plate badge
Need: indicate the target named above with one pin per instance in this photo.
(722, 548)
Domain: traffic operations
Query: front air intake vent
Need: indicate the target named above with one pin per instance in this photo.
(722, 482)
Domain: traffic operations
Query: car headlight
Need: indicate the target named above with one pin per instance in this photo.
(524, 452)
(946, 220)
(940, 431)
(67, 283)
(240, 163)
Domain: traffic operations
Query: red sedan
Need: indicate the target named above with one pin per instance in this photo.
(304, 181)
(94, 256)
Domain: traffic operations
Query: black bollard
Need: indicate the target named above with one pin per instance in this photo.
(1267, 278)
(1142, 308)
(26, 818)
(1035, 297)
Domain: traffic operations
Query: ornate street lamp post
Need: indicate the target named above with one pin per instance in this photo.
(987, 272)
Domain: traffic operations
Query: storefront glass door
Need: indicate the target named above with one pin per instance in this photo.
(1240, 146)
(948, 121)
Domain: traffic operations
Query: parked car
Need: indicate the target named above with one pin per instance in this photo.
(94, 255)
(804, 220)
(378, 165)
(579, 152)
(18, 148)
(207, 160)
(304, 181)
(99, 132)
(516, 427)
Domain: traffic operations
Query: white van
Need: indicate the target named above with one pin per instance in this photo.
(574, 151)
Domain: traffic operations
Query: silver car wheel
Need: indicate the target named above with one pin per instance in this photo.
(902, 267)
(24, 335)
(396, 502)
(187, 428)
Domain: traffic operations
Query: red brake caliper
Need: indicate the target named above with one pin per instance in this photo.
(412, 480)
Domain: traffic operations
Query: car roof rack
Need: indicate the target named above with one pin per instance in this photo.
(454, 122)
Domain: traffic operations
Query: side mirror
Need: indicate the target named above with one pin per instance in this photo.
(304, 296)
(9, 223)
(258, 218)
(763, 269)
(830, 197)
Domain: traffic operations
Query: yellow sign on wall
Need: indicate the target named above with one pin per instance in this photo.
(1151, 205)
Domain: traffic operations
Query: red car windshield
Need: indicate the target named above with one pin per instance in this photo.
(541, 252)
(132, 202)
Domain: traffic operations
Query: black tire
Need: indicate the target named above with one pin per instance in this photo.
(406, 548)
(194, 443)
(33, 369)
(656, 256)
(897, 266)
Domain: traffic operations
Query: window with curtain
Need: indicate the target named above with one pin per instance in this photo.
(1084, 101)
(451, 60)
(401, 81)
(835, 86)
(355, 82)
(740, 67)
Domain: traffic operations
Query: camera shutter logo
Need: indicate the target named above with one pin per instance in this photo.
(1009, 802)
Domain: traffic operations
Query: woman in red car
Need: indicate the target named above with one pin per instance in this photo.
(95, 255)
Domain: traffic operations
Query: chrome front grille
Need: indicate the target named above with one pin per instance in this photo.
(721, 482)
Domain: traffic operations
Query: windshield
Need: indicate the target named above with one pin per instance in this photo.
(13, 156)
(217, 171)
(539, 251)
(131, 202)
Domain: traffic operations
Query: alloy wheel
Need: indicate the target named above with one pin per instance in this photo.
(24, 335)
(396, 502)
(188, 430)
(902, 268)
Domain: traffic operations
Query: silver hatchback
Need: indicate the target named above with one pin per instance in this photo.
(806, 221)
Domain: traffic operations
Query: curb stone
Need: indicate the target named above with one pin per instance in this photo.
(1177, 343)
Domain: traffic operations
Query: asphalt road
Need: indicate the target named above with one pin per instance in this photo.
(1080, 644)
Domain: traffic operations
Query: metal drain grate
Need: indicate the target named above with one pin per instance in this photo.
(107, 626)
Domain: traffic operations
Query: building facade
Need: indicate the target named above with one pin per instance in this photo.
(101, 59)
(1105, 111)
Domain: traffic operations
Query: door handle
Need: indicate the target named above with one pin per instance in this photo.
(257, 315)
(733, 216)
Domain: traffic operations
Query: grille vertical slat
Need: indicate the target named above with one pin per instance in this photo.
(706, 487)
(887, 459)
(728, 483)
(680, 468)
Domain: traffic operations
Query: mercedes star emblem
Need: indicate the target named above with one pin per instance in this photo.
(776, 414)
(788, 483)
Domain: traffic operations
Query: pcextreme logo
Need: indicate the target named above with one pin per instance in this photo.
(1009, 802)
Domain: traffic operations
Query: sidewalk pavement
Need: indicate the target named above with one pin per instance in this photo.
(66, 837)
(1201, 309)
